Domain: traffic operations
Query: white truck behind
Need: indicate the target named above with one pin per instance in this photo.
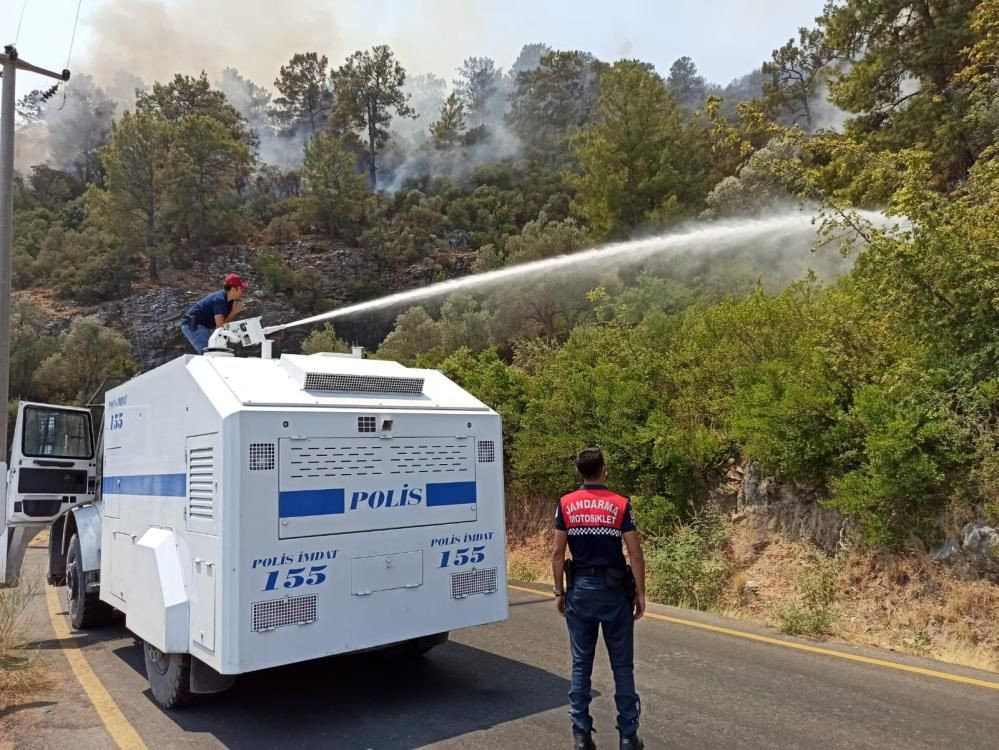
(245, 513)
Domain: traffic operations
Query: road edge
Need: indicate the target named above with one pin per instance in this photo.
(120, 729)
(740, 629)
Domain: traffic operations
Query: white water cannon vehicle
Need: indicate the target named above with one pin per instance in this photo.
(250, 512)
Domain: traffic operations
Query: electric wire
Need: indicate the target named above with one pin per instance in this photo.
(69, 54)
(72, 38)
(20, 20)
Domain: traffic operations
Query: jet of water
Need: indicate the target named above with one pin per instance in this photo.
(713, 238)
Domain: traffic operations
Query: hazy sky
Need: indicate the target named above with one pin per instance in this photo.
(153, 38)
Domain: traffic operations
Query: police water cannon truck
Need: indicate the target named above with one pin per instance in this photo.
(249, 512)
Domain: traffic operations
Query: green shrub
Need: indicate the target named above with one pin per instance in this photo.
(655, 516)
(302, 288)
(324, 340)
(518, 570)
(687, 568)
(813, 613)
(281, 230)
(798, 620)
(86, 354)
(365, 290)
(901, 485)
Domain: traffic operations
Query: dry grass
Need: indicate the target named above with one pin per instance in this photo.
(20, 671)
(903, 602)
(531, 560)
(527, 516)
(529, 522)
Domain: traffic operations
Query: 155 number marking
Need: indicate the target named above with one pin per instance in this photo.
(462, 556)
(295, 577)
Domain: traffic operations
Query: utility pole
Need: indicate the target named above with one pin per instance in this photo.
(11, 63)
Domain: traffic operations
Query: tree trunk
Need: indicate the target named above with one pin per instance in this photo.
(154, 273)
(372, 173)
(201, 230)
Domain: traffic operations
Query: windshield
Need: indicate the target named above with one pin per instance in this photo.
(56, 433)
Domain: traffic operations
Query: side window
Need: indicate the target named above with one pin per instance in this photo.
(55, 433)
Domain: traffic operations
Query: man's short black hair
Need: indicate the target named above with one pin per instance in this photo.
(590, 462)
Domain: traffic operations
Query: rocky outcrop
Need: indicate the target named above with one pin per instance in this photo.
(975, 554)
(771, 507)
(150, 317)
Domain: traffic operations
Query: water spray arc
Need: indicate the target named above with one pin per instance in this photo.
(710, 238)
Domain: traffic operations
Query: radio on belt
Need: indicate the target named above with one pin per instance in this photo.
(249, 512)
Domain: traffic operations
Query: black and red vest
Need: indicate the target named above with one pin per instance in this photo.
(595, 518)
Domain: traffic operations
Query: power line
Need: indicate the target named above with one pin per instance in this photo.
(19, 21)
(69, 54)
(72, 39)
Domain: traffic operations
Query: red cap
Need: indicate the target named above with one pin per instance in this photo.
(234, 280)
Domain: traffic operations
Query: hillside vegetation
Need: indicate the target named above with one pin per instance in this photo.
(879, 383)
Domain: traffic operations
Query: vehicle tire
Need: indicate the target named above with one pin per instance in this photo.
(86, 610)
(420, 646)
(169, 677)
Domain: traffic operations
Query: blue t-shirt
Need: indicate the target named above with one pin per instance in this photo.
(205, 309)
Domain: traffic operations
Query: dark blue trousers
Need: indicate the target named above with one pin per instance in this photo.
(591, 605)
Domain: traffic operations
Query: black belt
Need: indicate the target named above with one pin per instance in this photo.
(592, 570)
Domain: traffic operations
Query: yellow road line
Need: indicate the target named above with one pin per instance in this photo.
(114, 720)
(805, 647)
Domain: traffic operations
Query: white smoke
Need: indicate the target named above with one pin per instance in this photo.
(498, 142)
(825, 114)
(75, 123)
(421, 158)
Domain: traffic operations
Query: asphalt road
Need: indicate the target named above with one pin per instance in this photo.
(504, 686)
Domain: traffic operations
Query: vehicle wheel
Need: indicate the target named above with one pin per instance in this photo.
(169, 677)
(420, 646)
(86, 610)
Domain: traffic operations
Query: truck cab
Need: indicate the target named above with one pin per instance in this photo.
(53, 483)
(53, 464)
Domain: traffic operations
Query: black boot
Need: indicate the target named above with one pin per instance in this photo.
(582, 740)
(633, 742)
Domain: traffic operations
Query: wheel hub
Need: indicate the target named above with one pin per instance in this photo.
(159, 660)
(72, 583)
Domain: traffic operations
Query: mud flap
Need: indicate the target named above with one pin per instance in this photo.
(204, 679)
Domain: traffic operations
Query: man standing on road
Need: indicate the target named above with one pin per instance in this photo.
(601, 593)
(213, 311)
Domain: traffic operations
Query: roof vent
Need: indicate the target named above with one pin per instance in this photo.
(324, 381)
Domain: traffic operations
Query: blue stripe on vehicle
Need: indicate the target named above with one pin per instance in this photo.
(450, 493)
(297, 503)
(160, 485)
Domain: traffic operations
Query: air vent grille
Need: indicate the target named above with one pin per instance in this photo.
(365, 424)
(367, 457)
(487, 451)
(324, 381)
(261, 456)
(201, 483)
(291, 610)
(473, 582)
